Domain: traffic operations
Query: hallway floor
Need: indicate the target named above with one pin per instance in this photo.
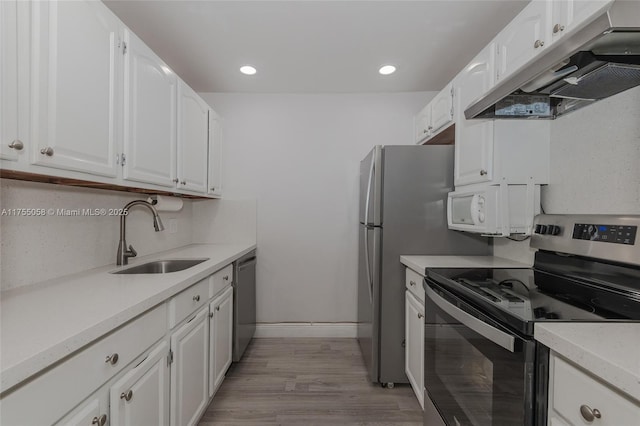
(308, 381)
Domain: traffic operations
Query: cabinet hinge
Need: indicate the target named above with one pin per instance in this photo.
(170, 357)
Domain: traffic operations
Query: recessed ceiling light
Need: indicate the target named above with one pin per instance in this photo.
(387, 69)
(247, 70)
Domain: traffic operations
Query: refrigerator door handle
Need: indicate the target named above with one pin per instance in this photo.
(367, 228)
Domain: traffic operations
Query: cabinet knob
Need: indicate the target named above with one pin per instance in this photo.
(48, 151)
(213, 188)
(218, 308)
(557, 28)
(112, 359)
(100, 421)
(430, 127)
(184, 182)
(127, 395)
(210, 314)
(483, 172)
(17, 145)
(196, 298)
(412, 283)
(176, 180)
(425, 131)
(538, 43)
(589, 414)
(226, 278)
(420, 315)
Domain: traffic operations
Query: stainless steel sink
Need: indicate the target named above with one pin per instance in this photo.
(162, 266)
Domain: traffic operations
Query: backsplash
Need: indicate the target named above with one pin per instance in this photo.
(595, 153)
(38, 248)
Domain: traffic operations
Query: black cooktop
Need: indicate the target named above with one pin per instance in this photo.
(553, 290)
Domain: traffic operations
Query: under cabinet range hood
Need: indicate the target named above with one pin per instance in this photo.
(595, 62)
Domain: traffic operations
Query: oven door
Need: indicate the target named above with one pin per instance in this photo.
(476, 372)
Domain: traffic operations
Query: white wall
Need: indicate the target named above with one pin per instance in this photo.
(224, 221)
(595, 164)
(298, 156)
(34, 249)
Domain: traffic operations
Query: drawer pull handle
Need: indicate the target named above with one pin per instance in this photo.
(420, 315)
(127, 395)
(100, 421)
(112, 359)
(588, 414)
(226, 278)
(412, 283)
(196, 298)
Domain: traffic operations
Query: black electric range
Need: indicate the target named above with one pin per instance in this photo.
(482, 364)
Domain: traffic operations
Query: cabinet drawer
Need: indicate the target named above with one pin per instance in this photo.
(573, 388)
(186, 302)
(61, 388)
(220, 280)
(413, 282)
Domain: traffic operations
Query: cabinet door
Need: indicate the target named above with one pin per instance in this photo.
(414, 345)
(193, 129)
(149, 116)
(92, 412)
(215, 155)
(442, 108)
(190, 346)
(141, 396)
(9, 144)
(570, 14)
(220, 338)
(423, 124)
(474, 138)
(75, 73)
(524, 37)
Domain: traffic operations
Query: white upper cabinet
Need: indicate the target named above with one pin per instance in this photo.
(193, 140)
(423, 124)
(149, 116)
(570, 14)
(525, 36)
(10, 145)
(215, 155)
(474, 138)
(442, 108)
(75, 62)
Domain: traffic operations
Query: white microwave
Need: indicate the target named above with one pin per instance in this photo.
(494, 210)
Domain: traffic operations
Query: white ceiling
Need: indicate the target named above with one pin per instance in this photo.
(316, 46)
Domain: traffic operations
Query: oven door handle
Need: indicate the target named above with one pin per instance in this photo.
(498, 337)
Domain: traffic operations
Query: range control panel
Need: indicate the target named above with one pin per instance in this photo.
(618, 234)
(607, 237)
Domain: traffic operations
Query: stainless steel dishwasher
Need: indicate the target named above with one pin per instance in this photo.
(244, 303)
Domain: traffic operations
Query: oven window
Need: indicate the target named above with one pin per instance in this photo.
(466, 374)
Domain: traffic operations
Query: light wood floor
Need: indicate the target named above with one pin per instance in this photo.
(308, 382)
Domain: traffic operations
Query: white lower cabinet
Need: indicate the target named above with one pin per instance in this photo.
(414, 344)
(190, 348)
(141, 396)
(220, 338)
(576, 398)
(92, 412)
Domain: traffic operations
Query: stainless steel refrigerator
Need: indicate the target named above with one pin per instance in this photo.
(403, 198)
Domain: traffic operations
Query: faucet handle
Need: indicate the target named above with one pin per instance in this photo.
(132, 252)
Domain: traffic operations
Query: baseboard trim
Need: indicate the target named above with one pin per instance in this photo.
(306, 329)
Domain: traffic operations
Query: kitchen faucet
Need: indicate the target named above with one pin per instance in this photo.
(123, 253)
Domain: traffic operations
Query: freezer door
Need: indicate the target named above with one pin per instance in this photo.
(371, 188)
(369, 298)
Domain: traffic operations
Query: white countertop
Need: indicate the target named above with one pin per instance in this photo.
(421, 263)
(610, 351)
(42, 323)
